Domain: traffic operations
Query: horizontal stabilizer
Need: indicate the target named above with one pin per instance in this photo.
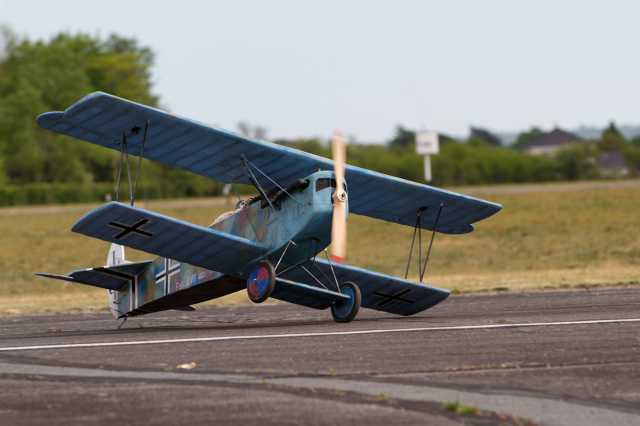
(171, 238)
(88, 277)
(379, 291)
(91, 277)
(131, 268)
(58, 277)
(305, 295)
(110, 278)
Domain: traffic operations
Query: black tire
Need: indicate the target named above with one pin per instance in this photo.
(346, 311)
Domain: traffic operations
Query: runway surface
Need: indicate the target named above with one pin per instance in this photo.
(559, 357)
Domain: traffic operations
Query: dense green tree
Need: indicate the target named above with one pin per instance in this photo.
(3, 174)
(632, 157)
(459, 164)
(524, 137)
(612, 139)
(50, 75)
(403, 138)
(479, 135)
(577, 162)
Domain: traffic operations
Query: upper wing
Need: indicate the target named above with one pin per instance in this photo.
(398, 200)
(168, 237)
(379, 291)
(102, 119)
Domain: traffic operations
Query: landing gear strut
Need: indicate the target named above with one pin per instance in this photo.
(346, 310)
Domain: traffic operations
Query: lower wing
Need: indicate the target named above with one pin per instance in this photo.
(379, 291)
(171, 238)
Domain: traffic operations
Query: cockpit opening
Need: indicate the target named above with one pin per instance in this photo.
(323, 183)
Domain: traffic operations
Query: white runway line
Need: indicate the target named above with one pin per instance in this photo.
(317, 334)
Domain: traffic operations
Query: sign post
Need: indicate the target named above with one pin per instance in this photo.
(427, 144)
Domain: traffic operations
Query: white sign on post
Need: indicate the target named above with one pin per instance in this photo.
(427, 144)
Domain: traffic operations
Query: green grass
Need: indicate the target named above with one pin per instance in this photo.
(489, 417)
(572, 237)
(460, 409)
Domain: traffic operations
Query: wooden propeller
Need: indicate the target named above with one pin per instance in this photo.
(339, 220)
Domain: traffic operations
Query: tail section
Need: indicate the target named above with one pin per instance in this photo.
(115, 258)
(116, 255)
(119, 277)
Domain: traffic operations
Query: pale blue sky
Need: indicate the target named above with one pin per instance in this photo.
(305, 68)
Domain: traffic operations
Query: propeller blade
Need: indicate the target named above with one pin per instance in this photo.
(339, 233)
(338, 152)
(339, 219)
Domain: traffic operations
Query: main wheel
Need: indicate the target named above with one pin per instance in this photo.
(346, 310)
(261, 282)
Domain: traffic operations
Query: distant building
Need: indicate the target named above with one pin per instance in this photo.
(550, 142)
(612, 164)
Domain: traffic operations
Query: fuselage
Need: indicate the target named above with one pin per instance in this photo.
(301, 215)
(293, 227)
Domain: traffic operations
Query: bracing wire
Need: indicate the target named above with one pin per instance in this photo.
(139, 167)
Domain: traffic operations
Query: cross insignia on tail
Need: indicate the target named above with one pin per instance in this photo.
(128, 229)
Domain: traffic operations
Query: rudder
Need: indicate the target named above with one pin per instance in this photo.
(115, 257)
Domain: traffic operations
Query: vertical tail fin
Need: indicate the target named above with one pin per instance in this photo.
(115, 258)
(116, 255)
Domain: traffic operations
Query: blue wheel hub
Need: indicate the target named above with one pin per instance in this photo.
(346, 310)
(261, 282)
(345, 307)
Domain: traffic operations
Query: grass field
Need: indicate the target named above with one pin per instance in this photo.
(547, 236)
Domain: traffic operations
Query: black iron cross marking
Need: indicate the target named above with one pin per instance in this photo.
(127, 229)
(391, 297)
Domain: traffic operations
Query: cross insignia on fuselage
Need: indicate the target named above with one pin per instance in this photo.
(170, 268)
(128, 229)
(393, 297)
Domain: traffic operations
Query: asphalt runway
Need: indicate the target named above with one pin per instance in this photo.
(556, 357)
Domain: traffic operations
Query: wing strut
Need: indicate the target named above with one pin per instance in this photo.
(124, 160)
(140, 155)
(433, 236)
(417, 230)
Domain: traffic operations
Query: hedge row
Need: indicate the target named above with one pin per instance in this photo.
(57, 193)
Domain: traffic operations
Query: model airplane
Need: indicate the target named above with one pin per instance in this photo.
(270, 245)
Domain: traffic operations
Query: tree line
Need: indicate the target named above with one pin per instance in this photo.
(38, 166)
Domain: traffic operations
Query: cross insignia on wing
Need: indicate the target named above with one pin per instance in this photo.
(131, 229)
(393, 297)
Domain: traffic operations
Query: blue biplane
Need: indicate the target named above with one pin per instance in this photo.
(273, 244)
